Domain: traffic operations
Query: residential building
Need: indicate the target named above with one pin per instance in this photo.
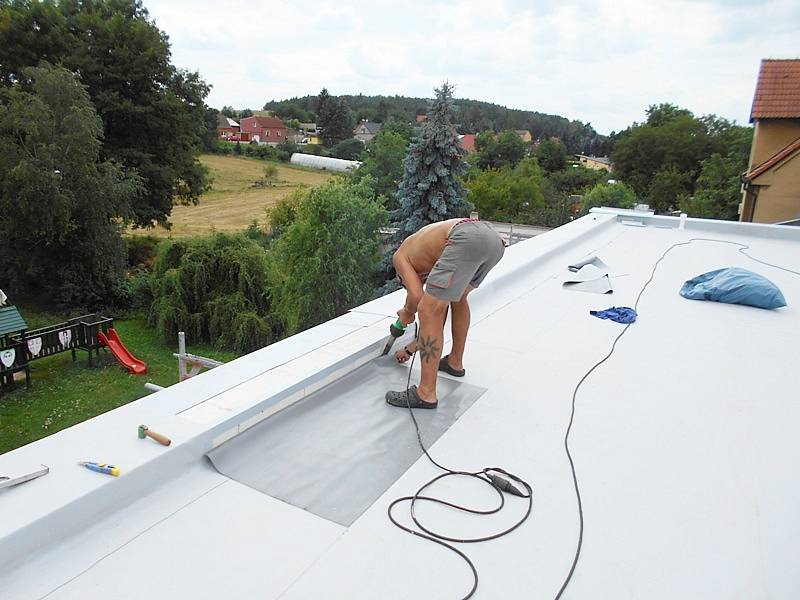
(311, 133)
(595, 162)
(524, 135)
(366, 130)
(467, 142)
(227, 128)
(771, 184)
(264, 130)
(296, 136)
(421, 118)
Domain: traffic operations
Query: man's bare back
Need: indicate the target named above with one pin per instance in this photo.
(423, 248)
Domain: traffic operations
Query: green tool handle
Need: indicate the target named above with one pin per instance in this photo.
(397, 328)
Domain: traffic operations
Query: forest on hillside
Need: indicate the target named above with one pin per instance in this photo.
(471, 116)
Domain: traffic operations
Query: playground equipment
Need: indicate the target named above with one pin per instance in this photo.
(124, 357)
(19, 345)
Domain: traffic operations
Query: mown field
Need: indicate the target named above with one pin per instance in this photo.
(233, 202)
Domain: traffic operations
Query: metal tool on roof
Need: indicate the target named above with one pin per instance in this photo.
(144, 432)
(101, 467)
(396, 330)
(22, 476)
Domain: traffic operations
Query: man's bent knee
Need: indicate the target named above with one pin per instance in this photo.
(430, 306)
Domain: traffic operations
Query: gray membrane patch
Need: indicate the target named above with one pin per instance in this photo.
(335, 452)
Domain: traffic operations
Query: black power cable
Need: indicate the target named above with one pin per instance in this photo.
(500, 480)
(742, 248)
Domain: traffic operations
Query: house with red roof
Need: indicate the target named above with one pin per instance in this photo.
(264, 130)
(467, 142)
(771, 184)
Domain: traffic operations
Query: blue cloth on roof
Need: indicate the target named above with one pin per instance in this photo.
(620, 314)
(734, 285)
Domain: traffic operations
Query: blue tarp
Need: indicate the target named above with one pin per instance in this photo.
(734, 285)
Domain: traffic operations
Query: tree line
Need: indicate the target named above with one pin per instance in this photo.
(469, 116)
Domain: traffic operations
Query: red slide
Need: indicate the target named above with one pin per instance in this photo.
(121, 353)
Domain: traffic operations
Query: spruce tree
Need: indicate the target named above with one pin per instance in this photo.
(324, 107)
(431, 189)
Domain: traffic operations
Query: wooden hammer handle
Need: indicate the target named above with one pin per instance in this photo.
(161, 439)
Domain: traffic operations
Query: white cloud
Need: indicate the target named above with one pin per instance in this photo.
(601, 61)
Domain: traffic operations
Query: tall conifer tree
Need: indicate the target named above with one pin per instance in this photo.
(431, 189)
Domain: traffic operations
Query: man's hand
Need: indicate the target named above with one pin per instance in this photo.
(406, 317)
(401, 356)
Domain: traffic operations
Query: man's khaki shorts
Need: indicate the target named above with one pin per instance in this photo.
(473, 248)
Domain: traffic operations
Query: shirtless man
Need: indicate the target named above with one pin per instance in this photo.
(451, 258)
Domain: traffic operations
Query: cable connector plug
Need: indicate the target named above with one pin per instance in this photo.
(504, 485)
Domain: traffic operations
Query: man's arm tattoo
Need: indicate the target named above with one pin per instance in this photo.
(428, 348)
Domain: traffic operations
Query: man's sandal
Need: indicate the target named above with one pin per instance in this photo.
(445, 367)
(412, 399)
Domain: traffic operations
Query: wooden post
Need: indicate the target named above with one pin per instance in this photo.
(182, 373)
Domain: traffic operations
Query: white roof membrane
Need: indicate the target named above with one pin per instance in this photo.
(684, 444)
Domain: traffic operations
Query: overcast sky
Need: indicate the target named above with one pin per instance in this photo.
(598, 61)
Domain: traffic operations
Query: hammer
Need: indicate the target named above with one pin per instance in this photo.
(161, 439)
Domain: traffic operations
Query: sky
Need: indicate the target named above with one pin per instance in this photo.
(598, 61)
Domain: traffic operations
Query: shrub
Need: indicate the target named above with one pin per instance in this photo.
(617, 195)
(508, 194)
(348, 149)
(142, 250)
(270, 173)
(217, 289)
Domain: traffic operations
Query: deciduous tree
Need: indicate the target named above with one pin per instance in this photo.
(499, 151)
(326, 255)
(552, 155)
(61, 205)
(383, 162)
(153, 114)
(616, 195)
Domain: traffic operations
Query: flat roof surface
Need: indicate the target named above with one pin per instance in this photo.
(684, 445)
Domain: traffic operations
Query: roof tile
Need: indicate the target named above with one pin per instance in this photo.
(781, 155)
(777, 91)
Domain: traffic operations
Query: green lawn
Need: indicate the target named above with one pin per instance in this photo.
(63, 394)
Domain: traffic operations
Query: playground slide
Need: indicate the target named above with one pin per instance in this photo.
(121, 353)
